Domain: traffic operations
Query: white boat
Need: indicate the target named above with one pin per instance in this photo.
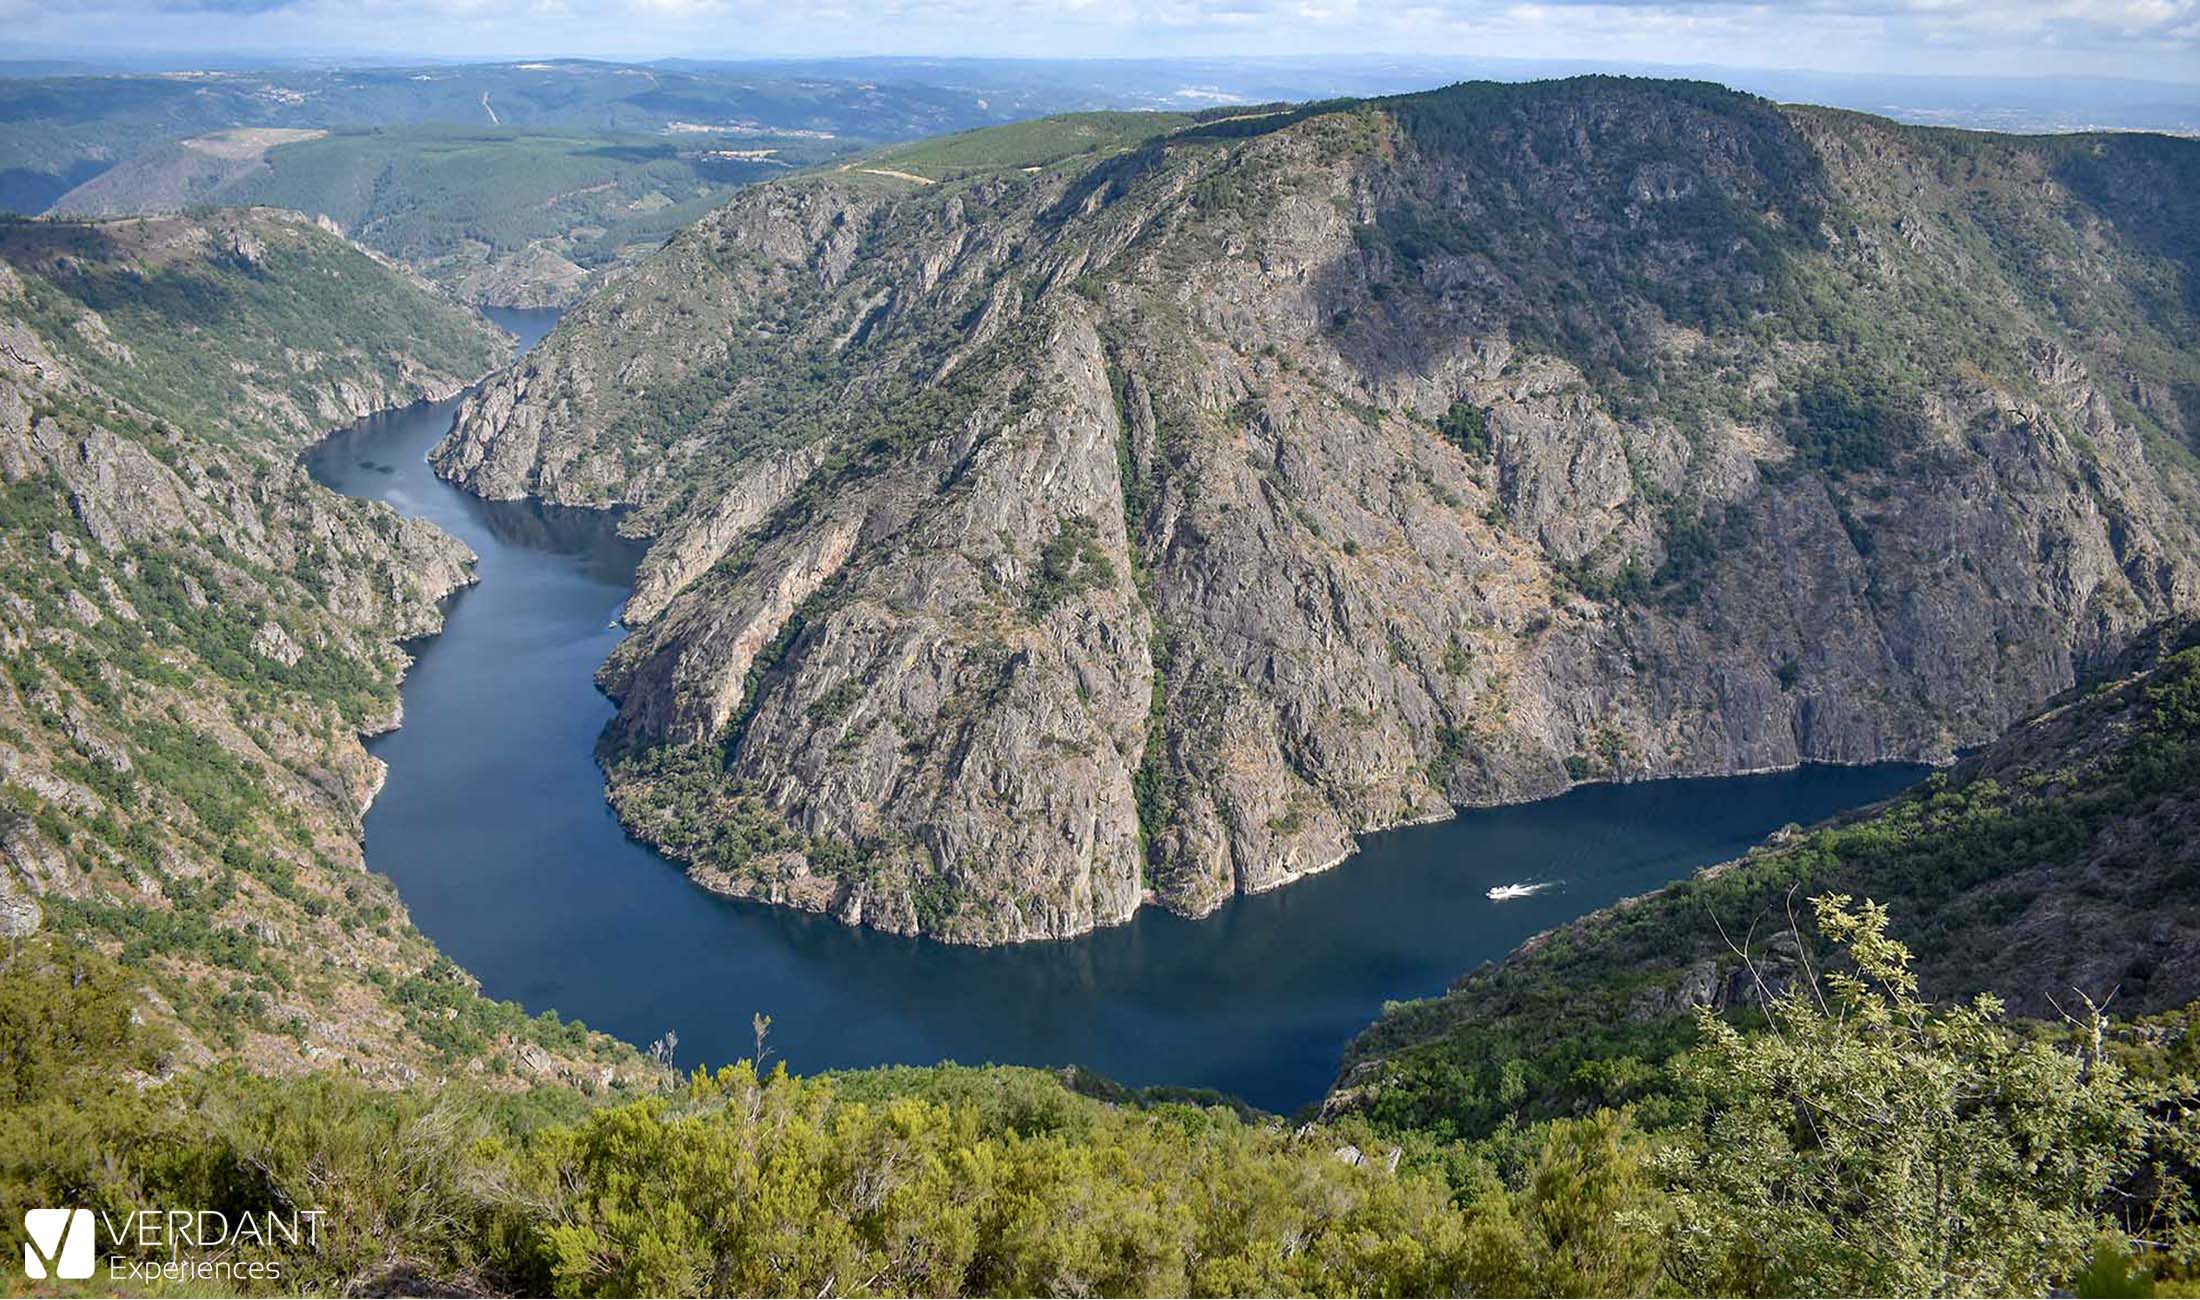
(1502, 893)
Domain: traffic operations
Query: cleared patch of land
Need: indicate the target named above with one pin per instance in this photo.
(250, 142)
(899, 176)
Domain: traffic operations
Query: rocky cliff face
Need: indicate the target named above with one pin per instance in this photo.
(193, 634)
(1146, 523)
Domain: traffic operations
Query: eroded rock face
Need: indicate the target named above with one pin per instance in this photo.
(196, 635)
(1146, 526)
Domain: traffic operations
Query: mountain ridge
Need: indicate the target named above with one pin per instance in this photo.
(1034, 544)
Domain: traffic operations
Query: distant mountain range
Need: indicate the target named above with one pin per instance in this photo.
(66, 117)
(503, 216)
(56, 132)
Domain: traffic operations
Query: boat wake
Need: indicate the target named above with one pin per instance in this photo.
(1525, 889)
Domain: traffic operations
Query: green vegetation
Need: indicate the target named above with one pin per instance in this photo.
(420, 193)
(58, 131)
(1070, 564)
(197, 633)
(1863, 1143)
(1592, 1016)
(489, 213)
(1848, 418)
(1693, 545)
(1564, 267)
(247, 323)
(1467, 427)
(1153, 784)
(683, 799)
(1547, 192)
(1026, 146)
(184, 801)
(1956, 1158)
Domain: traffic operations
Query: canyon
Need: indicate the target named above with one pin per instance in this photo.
(1139, 518)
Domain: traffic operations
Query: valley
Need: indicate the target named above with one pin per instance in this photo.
(2055, 868)
(492, 824)
(197, 636)
(505, 218)
(1565, 688)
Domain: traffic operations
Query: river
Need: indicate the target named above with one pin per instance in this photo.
(494, 827)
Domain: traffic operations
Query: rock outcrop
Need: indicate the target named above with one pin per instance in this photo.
(1146, 524)
(194, 635)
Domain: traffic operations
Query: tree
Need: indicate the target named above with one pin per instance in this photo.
(1589, 1214)
(1869, 1143)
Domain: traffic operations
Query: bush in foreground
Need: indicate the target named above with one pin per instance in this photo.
(1861, 1142)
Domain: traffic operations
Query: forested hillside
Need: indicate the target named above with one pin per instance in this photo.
(2058, 869)
(492, 215)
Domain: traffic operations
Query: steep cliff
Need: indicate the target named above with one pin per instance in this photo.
(193, 634)
(1115, 512)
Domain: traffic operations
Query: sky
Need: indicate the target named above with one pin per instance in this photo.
(2146, 39)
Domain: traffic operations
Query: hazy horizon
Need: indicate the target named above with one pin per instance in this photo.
(2145, 40)
(152, 59)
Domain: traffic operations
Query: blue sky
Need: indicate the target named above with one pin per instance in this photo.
(2156, 39)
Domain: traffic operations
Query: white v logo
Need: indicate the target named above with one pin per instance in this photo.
(60, 1240)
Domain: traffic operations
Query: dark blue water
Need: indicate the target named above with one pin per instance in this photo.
(494, 827)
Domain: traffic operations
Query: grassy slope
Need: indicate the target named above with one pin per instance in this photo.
(1047, 142)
